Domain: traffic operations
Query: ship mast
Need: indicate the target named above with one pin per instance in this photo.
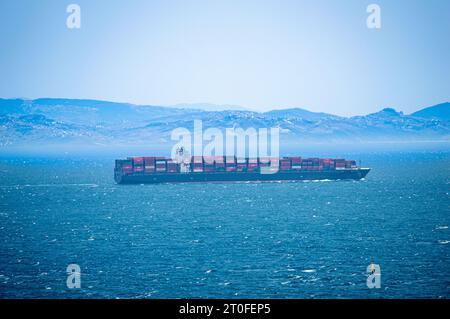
(183, 158)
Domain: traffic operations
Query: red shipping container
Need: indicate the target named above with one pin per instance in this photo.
(286, 163)
(149, 161)
(208, 159)
(138, 169)
(138, 161)
(219, 166)
(197, 159)
(230, 160)
(127, 168)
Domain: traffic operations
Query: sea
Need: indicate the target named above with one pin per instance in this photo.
(312, 239)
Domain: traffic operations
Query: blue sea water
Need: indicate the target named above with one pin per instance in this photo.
(264, 240)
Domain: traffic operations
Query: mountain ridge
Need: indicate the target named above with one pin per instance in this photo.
(46, 101)
(438, 111)
(49, 120)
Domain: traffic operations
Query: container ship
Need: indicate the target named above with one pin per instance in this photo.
(194, 169)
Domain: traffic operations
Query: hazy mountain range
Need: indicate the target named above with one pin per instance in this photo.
(91, 122)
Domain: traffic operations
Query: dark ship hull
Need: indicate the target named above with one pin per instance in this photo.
(206, 177)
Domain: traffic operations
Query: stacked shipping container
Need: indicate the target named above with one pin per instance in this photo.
(230, 163)
(252, 165)
(285, 164)
(197, 164)
(149, 165)
(212, 164)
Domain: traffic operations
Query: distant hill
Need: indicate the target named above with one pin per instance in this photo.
(209, 107)
(64, 121)
(386, 112)
(299, 113)
(439, 112)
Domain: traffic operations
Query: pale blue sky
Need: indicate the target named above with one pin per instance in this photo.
(260, 54)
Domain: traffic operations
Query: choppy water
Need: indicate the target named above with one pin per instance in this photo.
(279, 240)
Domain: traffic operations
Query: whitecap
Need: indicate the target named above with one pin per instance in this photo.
(308, 270)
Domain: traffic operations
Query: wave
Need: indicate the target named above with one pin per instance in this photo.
(47, 185)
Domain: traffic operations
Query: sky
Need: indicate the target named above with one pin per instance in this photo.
(260, 54)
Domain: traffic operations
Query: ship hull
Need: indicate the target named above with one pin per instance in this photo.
(204, 177)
